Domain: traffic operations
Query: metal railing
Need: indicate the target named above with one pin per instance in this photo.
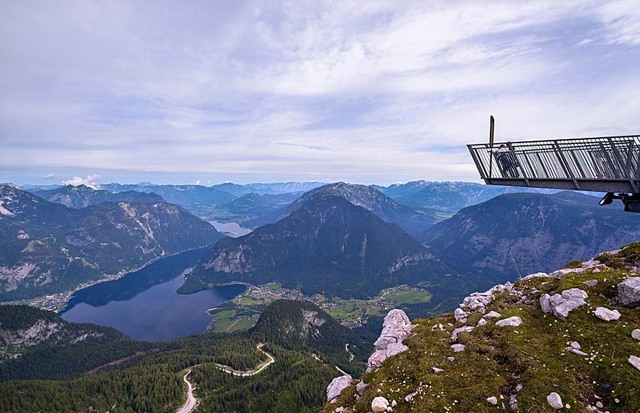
(600, 164)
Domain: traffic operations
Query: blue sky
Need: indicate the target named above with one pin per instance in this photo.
(248, 91)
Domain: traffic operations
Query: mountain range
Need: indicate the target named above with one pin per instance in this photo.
(513, 235)
(447, 198)
(82, 196)
(47, 247)
(325, 245)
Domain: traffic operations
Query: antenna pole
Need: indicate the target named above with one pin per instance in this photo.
(492, 123)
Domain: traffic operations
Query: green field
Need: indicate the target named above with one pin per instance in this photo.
(410, 297)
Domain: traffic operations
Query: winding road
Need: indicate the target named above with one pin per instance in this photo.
(248, 373)
(190, 405)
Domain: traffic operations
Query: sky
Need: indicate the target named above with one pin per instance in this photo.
(366, 92)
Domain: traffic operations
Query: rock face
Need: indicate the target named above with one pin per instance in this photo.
(395, 329)
(606, 314)
(629, 292)
(337, 385)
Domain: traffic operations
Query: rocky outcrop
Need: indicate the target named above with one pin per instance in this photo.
(336, 386)
(395, 328)
(629, 292)
(565, 302)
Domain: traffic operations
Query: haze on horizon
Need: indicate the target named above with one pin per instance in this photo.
(264, 91)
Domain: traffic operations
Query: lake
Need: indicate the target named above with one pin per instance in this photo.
(145, 305)
(232, 229)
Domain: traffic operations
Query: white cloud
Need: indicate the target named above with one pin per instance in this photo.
(89, 180)
(350, 89)
(622, 21)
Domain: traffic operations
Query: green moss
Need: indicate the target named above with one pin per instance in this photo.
(573, 264)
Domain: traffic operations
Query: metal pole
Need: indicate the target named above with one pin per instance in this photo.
(492, 123)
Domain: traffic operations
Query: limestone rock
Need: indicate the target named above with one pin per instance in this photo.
(482, 322)
(460, 315)
(578, 352)
(591, 283)
(478, 301)
(629, 291)
(635, 334)
(635, 361)
(555, 401)
(437, 370)
(465, 329)
(492, 400)
(336, 386)
(457, 347)
(536, 275)
(574, 293)
(395, 328)
(514, 321)
(379, 405)
(513, 402)
(360, 387)
(562, 304)
(607, 315)
(492, 314)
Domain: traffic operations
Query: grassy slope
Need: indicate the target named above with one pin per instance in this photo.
(534, 355)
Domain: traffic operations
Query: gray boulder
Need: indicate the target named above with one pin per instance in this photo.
(635, 334)
(457, 347)
(562, 304)
(460, 315)
(607, 315)
(465, 329)
(555, 401)
(379, 405)
(635, 361)
(336, 386)
(492, 314)
(629, 292)
(514, 321)
(574, 293)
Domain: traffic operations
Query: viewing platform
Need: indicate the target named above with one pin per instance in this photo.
(608, 164)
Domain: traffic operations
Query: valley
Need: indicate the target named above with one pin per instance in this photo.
(284, 307)
(243, 311)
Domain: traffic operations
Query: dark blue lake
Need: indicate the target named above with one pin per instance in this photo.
(145, 305)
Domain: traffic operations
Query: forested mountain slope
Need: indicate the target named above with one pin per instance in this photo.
(516, 234)
(46, 247)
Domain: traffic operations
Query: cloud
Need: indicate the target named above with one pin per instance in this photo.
(310, 147)
(290, 90)
(89, 180)
(50, 176)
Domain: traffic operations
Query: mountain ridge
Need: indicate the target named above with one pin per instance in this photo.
(47, 247)
(326, 245)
